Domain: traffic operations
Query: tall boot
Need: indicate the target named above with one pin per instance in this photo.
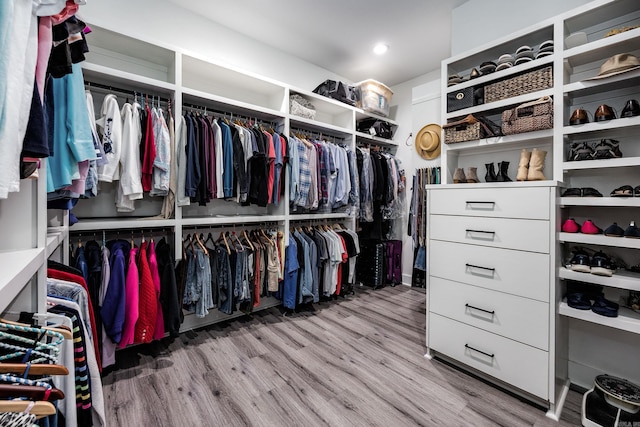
(536, 164)
(523, 165)
(458, 176)
(491, 173)
(503, 173)
(472, 175)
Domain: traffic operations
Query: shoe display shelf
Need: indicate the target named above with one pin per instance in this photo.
(579, 64)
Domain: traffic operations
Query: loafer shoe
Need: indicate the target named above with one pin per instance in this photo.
(573, 192)
(579, 301)
(636, 191)
(604, 307)
(590, 192)
(632, 231)
(614, 230)
(580, 151)
(580, 262)
(631, 109)
(579, 117)
(601, 264)
(607, 149)
(603, 113)
(623, 191)
(570, 226)
(588, 227)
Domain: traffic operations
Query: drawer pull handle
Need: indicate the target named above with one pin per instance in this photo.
(480, 267)
(479, 202)
(480, 231)
(492, 312)
(479, 351)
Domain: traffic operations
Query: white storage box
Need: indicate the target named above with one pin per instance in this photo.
(375, 97)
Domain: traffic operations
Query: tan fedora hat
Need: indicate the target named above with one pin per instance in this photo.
(428, 141)
(617, 64)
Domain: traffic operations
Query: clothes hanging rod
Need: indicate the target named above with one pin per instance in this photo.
(92, 85)
(229, 114)
(319, 134)
(230, 226)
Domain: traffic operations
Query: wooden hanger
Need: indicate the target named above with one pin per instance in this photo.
(206, 252)
(246, 238)
(32, 392)
(34, 369)
(223, 237)
(39, 409)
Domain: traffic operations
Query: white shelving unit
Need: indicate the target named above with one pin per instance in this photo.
(570, 89)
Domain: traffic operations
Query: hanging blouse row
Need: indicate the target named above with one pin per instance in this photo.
(221, 159)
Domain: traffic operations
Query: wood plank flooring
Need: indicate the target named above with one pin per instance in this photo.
(352, 362)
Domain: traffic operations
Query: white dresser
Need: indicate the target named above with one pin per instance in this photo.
(490, 281)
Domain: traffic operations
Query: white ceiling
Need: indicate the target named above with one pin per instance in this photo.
(339, 35)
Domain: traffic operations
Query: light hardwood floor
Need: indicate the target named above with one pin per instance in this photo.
(352, 362)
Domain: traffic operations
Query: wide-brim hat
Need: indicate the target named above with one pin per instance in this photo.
(428, 141)
(617, 64)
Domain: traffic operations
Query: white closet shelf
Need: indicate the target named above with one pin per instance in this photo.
(376, 139)
(512, 184)
(502, 74)
(602, 126)
(481, 145)
(627, 319)
(106, 75)
(231, 220)
(622, 162)
(621, 279)
(502, 104)
(120, 223)
(246, 108)
(318, 126)
(324, 103)
(625, 202)
(305, 217)
(54, 239)
(599, 239)
(18, 268)
(591, 87)
(361, 114)
(603, 48)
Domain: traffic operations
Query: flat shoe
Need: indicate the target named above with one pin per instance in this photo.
(623, 191)
(614, 230)
(579, 301)
(636, 191)
(590, 192)
(604, 307)
(575, 192)
(632, 231)
(588, 227)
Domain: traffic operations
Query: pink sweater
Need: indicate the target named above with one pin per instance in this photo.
(158, 333)
(131, 301)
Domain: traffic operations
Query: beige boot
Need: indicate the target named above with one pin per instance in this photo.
(536, 164)
(523, 165)
(458, 176)
(472, 175)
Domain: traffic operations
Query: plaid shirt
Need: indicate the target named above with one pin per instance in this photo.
(304, 180)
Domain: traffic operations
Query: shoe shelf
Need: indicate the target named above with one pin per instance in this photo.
(609, 125)
(627, 320)
(624, 202)
(18, 267)
(592, 87)
(622, 162)
(498, 106)
(501, 142)
(621, 279)
(599, 239)
(603, 48)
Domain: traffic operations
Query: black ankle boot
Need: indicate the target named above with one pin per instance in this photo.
(491, 173)
(503, 175)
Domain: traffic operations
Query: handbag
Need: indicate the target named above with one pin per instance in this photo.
(528, 117)
(339, 91)
(375, 127)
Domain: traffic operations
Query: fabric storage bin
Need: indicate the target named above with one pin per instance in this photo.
(522, 84)
(375, 97)
(466, 129)
(460, 99)
(528, 117)
(301, 107)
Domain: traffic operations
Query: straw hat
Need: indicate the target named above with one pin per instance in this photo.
(428, 141)
(617, 64)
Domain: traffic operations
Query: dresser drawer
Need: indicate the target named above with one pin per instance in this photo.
(529, 203)
(521, 319)
(515, 272)
(517, 364)
(521, 234)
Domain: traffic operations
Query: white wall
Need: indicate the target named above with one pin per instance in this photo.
(164, 23)
(477, 22)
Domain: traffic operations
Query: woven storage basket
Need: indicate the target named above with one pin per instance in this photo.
(519, 85)
(299, 106)
(463, 132)
(535, 115)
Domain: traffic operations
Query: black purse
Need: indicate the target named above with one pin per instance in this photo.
(375, 127)
(339, 91)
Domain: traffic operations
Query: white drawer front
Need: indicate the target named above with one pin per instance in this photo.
(517, 364)
(521, 234)
(515, 272)
(517, 318)
(530, 203)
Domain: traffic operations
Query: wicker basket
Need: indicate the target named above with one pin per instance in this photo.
(519, 85)
(529, 117)
(462, 132)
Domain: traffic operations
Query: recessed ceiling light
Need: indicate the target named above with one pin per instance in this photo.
(380, 48)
